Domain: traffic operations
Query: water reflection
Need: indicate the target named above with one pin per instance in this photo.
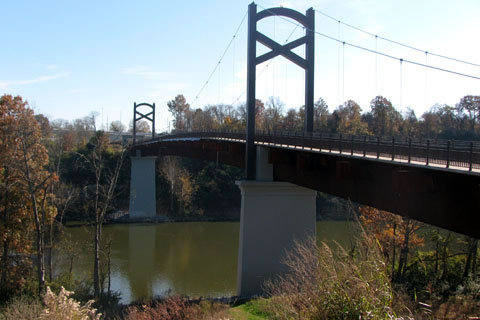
(142, 258)
(195, 258)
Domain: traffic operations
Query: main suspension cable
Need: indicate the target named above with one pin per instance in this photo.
(221, 58)
(397, 42)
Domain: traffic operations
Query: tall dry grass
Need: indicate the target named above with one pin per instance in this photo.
(177, 308)
(326, 283)
(21, 308)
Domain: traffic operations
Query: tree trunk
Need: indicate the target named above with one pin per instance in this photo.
(444, 256)
(32, 190)
(70, 270)
(6, 249)
(40, 260)
(402, 262)
(471, 257)
(171, 196)
(6, 245)
(437, 256)
(109, 266)
(39, 244)
(96, 267)
(473, 122)
(474, 258)
(96, 241)
(405, 262)
(50, 254)
(394, 251)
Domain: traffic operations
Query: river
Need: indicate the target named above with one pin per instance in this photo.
(191, 258)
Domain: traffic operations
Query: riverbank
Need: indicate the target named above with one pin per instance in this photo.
(328, 208)
(126, 219)
(152, 220)
(236, 308)
(164, 218)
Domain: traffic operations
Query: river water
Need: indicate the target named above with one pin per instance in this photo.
(191, 258)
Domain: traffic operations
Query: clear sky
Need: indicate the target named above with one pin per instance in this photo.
(68, 58)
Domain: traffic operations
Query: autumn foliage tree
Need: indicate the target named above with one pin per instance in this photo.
(16, 223)
(383, 119)
(347, 119)
(27, 200)
(397, 236)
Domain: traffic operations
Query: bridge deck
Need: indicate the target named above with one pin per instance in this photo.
(454, 155)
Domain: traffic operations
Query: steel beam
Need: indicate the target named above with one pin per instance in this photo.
(251, 74)
(309, 70)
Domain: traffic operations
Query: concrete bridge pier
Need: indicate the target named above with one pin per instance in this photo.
(273, 215)
(142, 187)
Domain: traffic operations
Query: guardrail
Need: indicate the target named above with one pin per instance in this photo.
(457, 153)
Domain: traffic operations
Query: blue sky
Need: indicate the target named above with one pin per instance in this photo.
(68, 58)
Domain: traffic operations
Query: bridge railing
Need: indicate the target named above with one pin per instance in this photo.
(446, 153)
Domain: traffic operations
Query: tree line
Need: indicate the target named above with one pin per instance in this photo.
(461, 121)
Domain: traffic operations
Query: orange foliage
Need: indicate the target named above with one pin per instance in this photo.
(23, 180)
(391, 230)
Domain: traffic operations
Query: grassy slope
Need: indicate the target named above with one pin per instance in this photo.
(249, 311)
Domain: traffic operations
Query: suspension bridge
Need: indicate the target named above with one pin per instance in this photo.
(430, 180)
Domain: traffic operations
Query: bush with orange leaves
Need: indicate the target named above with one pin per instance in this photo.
(397, 236)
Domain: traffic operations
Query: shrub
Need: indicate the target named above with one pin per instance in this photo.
(331, 284)
(62, 307)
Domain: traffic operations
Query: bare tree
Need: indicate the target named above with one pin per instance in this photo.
(170, 167)
(102, 193)
(117, 126)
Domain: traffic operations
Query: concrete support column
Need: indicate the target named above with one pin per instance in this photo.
(264, 169)
(273, 215)
(142, 187)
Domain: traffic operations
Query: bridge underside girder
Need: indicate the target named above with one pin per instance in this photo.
(226, 152)
(439, 197)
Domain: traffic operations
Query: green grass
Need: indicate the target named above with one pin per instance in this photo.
(249, 311)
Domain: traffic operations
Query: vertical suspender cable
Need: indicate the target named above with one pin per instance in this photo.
(265, 83)
(338, 74)
(426, 82)
(273, 60)
(207, 91)
(401, 84)
(233, 69)
(286, 81)
(376, 67)
(343, 73)
(218, 99)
